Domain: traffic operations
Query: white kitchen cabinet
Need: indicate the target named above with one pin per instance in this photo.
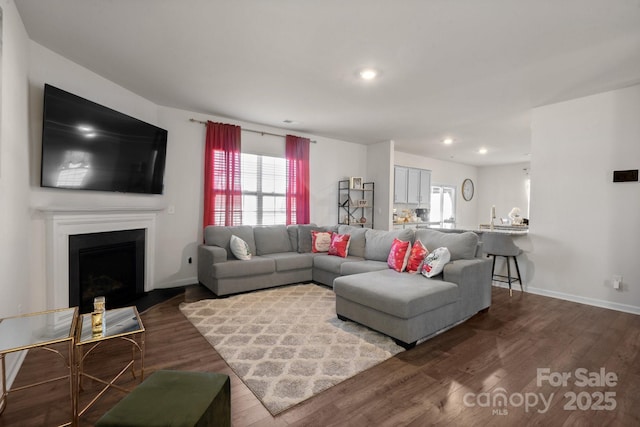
(412, 186)
(425, 188)
(400, 184)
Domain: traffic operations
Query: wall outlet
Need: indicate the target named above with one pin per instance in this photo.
(617, 281)
(19, 308)
(171, 209)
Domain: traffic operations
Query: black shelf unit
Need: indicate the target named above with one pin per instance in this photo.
(354, 204)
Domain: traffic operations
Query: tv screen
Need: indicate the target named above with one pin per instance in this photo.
(86, 146)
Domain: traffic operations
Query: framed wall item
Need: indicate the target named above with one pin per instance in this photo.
(355, 183)
(467, 189)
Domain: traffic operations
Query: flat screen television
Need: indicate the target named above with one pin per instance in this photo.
(86, 146)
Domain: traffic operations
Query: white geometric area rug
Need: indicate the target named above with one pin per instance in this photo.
(286, 344)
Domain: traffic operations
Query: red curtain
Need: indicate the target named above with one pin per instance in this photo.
(297, 153)
(222, 190)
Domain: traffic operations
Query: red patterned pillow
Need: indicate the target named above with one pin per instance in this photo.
(398, 255)
(339, 245)
(416, 256)
(320, 241)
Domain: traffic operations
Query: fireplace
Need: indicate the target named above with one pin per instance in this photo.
(111, 264)
(62, 223)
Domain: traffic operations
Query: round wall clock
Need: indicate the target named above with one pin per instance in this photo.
(467, 189)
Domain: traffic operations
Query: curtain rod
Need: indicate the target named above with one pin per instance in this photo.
(249, 130)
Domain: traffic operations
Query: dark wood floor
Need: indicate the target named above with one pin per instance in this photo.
(493, 353)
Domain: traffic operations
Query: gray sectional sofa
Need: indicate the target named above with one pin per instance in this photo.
(405, 306)
(276, 259)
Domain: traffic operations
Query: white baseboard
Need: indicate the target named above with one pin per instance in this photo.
(177, 283)
(574, 298)
(14, 366)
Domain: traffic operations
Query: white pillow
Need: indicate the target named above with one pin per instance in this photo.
(240, 248)
(320, 241)
(434, 262)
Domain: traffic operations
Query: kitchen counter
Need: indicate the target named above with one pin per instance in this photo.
(501, 229)
(416, 224)
(513, 230)
(519, 235)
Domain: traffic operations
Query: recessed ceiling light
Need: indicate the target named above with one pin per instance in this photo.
(482, 151)
(368, 74)
(447, 141)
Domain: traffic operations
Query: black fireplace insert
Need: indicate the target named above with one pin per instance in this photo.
(109, 264)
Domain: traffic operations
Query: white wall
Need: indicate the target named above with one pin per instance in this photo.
(380, 158)
(585, 228)
(331, 161)
(15, 230)
(504, 187)
(177, 234)
(448, 173)
(48, 67)
(180, 233)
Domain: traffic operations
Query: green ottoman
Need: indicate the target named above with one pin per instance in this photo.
(172, 399)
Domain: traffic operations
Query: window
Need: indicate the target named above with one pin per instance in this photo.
(443, 206)
(264, 187)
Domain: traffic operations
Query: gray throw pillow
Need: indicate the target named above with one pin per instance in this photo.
(293, 236)
(460, 245)
(271, 239)
(357, 239)
(304, 236)
(378, 242)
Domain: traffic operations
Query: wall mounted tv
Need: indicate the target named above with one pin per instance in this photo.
(86, 146)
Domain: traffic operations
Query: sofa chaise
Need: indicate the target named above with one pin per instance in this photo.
(408, 307)
(405, 306)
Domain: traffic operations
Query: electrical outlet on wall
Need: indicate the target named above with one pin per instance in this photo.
(617, 281)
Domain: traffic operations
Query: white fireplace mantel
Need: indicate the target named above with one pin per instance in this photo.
(62, 223)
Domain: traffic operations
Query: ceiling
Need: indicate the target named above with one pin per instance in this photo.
(466, 69)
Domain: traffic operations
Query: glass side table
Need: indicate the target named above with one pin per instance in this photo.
(120, 323)
(40, 330)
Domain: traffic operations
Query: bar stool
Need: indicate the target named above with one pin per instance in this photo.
(497, 244)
